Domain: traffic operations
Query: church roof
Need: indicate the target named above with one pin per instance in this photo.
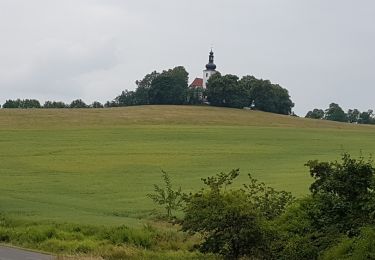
(198, 82)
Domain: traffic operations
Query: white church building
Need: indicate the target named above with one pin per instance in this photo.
(207, 73)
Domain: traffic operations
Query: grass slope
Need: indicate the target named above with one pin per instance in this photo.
(96, 165)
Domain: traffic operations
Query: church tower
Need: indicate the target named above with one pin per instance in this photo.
(210, 69)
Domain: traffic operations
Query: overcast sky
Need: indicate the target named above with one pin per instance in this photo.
(322, 51)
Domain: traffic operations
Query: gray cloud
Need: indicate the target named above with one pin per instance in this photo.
(322, 51)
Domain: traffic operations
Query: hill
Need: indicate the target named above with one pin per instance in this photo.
(97, 165)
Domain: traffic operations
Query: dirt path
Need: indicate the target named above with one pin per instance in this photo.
(8, 253)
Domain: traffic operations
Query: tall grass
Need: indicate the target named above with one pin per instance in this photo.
(120, 242)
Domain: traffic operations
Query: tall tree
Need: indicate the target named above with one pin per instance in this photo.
(13, 104)
(127, 98)
(226, 91)
(96, 104)
(343, 192)
(78, 103)
(54, 104)
(353, 115)
(315, 114)
(335, 113)
(366, 117)
(18, 103)
(170, 87)
(143, 88)
(270, 98)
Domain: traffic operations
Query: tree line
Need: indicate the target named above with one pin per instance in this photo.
(33, 103)
(335, 221)
(171, 87)
(335, 113)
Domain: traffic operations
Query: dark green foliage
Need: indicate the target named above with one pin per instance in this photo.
(260, 94)
(298, 236)
(96, 104)
(78, 103)
(366, 117)
(230, 220)
(170, 87)
(233, 228)
(343, 192)
(167, 197)
(195, 95)
(18, 103)
(127, 98)
(269, 202)
(353, 115)
(230, 226)
(315, 114)
(335, 113)
(143, 87)
(226, 91)
(54, 104)
(221, 180)
(360, 247)
(12, 104)
(342, 201)
(269, 97)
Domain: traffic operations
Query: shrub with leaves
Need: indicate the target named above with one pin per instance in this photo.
(228, 221)
(166, 196)
(269, 202)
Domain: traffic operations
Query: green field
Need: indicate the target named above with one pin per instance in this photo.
(97, 165)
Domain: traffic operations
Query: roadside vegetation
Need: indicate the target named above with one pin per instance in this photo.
(94, 168)
(224, 221)
(335, 221)
(152, 241)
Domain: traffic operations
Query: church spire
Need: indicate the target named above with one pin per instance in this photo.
(211, 65)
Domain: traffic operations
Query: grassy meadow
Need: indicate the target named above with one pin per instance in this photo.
(95, 166)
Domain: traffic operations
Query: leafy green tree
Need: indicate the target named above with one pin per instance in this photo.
(143, 88)
(13, 104)
(111, 104)
(335, 113)
(230, 227)
(341, 203)
(269, 202)
(271, 98)
(353, 115)
(195, 95)
(260, 94)
(366, 117)
(168, 197)
(359, 247)
(96, 104)
(170, 87)
(30, 103)
(26, 103)
(54, 104)
(343, 193)
(127, 98)
(315, 114)
(226, 91)
(228, 219)
(78, 103)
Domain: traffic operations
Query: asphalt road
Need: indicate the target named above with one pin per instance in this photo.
(8, 253)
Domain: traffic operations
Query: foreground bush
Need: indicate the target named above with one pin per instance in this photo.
(230, 220)
(330, 221)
